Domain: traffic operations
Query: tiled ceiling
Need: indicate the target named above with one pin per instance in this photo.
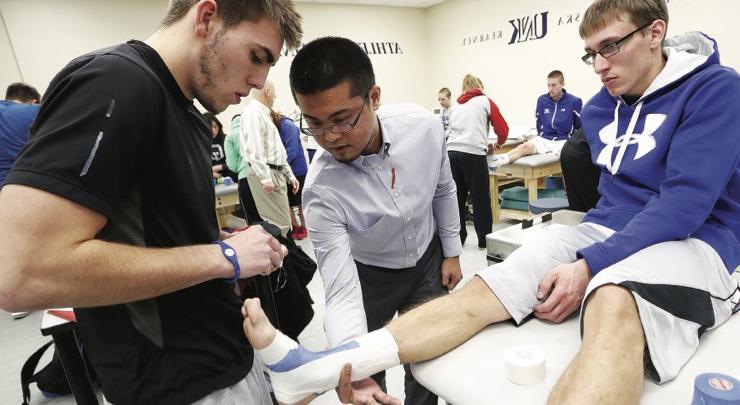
(395, 3)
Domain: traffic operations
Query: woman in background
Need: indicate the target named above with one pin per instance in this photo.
(467, 147)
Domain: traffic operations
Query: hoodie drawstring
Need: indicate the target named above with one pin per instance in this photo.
(627, 136)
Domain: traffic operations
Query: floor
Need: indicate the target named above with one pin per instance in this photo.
(20, 338)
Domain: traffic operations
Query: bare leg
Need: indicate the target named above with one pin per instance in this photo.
(525, 149)
(608, 368)
(441, 325)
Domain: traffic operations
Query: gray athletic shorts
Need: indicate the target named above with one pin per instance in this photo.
(682, 288)
(253, 389)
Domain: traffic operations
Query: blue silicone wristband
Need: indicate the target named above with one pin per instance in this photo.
(230, 255)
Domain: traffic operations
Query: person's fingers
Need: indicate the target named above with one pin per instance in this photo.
(455, 281)
(446, 280)
(274, 244)
(276, 259)
(344, 389)
(283, 250)
(546, 285)
(552, 301)
(386, 399)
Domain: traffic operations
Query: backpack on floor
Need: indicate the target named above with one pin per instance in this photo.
(50, 380)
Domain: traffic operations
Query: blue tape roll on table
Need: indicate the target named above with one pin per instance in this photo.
(716, 389)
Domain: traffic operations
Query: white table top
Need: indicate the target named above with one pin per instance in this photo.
(474, 372)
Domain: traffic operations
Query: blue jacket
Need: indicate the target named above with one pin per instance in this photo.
(677, 174)
(290, 135)
(15, 120)
(556, 120)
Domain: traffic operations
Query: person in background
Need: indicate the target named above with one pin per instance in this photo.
(444, 96)
(218, 155)
(17, 112)
(558, 116)
(238, 165)
(290, 135)
(467, 146)
(269, 174)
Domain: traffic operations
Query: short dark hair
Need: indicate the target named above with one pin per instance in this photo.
(211, 118)
(445, 91)
(556, 74)
(232, 12)
(603, 12)
(22, 92)
(326, 62)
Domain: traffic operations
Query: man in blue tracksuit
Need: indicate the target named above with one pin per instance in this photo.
(558, 115)
(650, 266)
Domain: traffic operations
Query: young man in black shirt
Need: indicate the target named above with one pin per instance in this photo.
(85, 224)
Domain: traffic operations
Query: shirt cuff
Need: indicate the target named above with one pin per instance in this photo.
(595, 257)
(451, 246)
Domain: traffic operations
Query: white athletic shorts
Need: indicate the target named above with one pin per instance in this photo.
(544, 145)
(682, 288)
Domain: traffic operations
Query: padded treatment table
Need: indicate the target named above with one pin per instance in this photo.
(227, 197)
(531, 169)
(474, 372)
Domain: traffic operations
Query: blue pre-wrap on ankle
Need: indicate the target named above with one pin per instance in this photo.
(299, 356)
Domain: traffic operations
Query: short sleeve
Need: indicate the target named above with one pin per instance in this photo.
(93, 133)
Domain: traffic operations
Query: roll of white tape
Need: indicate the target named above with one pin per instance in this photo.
(524, 364)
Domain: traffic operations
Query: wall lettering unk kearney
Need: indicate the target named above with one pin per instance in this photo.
(528, 28)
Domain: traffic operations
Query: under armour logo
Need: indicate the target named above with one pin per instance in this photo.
(645, 141)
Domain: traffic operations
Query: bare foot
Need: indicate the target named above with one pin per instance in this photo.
(257, 327)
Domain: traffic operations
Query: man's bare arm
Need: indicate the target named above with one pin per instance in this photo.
(49, 257)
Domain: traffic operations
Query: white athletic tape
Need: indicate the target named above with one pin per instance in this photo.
(524, 365)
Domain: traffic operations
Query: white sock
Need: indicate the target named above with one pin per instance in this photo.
(504, 158)
(296, 372)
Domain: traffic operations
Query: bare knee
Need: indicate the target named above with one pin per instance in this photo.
(612, 310)
(480, 304)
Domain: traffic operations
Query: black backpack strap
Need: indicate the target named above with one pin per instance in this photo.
(27, 372)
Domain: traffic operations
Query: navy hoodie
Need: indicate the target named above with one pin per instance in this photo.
(556, 120)
(671, 161)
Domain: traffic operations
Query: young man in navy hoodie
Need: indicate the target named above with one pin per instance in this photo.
(558, 116)
(651, 263)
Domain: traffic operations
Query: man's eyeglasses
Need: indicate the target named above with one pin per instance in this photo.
(341, 128)
(610, 49)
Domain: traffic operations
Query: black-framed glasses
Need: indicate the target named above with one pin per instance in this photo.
(610, 49)
(341, 128)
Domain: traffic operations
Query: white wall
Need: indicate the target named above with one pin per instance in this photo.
(401, 77)
(515, 75)
(46, 34)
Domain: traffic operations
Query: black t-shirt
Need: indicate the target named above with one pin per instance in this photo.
(218, 156)
(116, 135)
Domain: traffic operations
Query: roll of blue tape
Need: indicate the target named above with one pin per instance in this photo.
(716, 389)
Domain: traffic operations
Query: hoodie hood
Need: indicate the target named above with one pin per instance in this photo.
(685, 53)
(470, 93)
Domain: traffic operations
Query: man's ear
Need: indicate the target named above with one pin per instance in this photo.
(204, 17)
(375, 97)
(657, 34)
